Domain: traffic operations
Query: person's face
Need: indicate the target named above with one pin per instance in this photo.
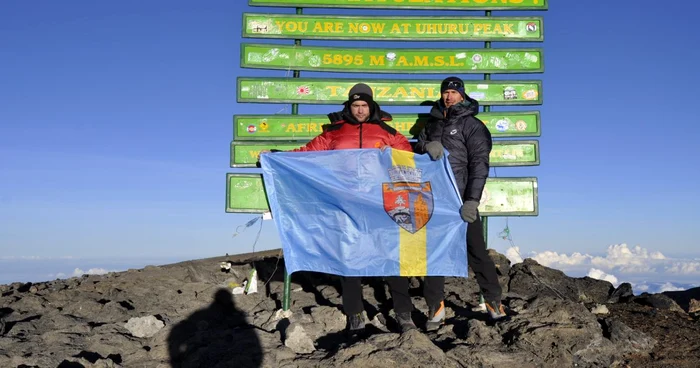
(360, 110)
(451, 97)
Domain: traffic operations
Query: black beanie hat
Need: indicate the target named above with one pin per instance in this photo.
(454, 83)
(360, 92)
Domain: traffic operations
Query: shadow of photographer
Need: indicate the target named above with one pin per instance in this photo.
(215, 335)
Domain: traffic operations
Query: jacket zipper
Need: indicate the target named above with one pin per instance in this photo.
(360, 135)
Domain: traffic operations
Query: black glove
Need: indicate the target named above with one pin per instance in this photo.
(257, 163)
(435, 150)
(469, 211)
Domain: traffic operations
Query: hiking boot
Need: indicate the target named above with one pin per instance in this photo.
(436, 317)
(495, 309)
(355, 325)
(405, 322)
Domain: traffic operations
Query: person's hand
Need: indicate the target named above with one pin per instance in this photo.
(435, 150)
(267, 151)
(469, 211)
(262, 152)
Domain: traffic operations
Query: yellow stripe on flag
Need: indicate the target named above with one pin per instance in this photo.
(413, 252)
(402, 158)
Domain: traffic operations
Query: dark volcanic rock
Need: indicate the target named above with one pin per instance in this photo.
(412, 349)
(185, 315)
(502, 262)
(660, 301)
(622, 294)
(530, 278)
(626, 339)
(683, 298)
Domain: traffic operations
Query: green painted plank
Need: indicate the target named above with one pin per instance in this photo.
(332, 27)
(504, 153)
(391, 60)
(510, 197)
(410, 4)
(304, 127)
(515, 153)
(245, 193)
(245, 154)
(386, 92)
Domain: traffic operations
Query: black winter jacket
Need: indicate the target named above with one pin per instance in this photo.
(467, 140)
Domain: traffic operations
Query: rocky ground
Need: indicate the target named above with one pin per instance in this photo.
(185, 315)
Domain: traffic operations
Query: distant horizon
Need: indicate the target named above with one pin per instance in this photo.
(50, 269)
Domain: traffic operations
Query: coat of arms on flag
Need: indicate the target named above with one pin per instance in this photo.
(407, 200)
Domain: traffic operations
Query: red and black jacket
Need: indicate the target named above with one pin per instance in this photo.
(345, 132)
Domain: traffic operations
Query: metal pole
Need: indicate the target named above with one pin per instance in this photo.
(485, 219)
(287, 278)
(287, 287)
(487, 76)
(297, 42)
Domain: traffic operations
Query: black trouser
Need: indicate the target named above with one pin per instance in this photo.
(352, 294)
(480, 262)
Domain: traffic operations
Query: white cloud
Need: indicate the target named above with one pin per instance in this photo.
(600, 275)
(653, 287)
(92, 271)
(648, 269)
(684, 268)
(632, 260)
(669, 287)
(77, 272)
(513, 255)
(553, 259)
(59, 275)
(621, 259)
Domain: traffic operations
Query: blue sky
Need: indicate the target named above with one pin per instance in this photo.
(115, 124)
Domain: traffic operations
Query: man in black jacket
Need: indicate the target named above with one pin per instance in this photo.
(453, 126)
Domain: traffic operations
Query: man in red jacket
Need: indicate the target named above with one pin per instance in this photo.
(362, 124)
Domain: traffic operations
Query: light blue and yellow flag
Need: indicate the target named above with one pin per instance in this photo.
(366, 212)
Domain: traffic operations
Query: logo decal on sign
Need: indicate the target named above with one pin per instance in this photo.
(303, 90)
(502, 125)
(509, 93)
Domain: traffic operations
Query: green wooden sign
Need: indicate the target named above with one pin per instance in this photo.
(245, 154)
(504, 153)
(391, 60)
(509, 197)
(386, 92)
(329, 27)
(410, 4)
(302, 127)
(245, 193)
(515, 153)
